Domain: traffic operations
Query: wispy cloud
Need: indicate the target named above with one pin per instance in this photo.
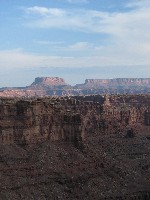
(47, 42)
(129, 38)
(20, 59)
(56, 12)
(129, 31)
(83, 20)
(92, 20)
(77, 1)
(81, 46)
(138, 4)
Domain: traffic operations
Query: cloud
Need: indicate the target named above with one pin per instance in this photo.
(129, 32)
(80, 46)
(83, 20)
(117, 24)
(77, 1)
(56, 12)
(47, 42)
(19, 59)
(138, 4)
(128, 44)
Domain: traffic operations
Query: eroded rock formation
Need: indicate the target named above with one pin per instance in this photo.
(82, 147)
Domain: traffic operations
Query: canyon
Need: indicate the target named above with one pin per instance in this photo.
(75, 147)
(57, 86)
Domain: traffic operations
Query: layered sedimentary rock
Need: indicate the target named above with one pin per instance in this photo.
(55, 86)
(27, 121)
(68, 118)
(82, 147)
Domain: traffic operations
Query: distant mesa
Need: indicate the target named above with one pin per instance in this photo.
(55, 86)
(96, 83)
(49, 81)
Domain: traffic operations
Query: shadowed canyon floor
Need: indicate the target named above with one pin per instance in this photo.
(82, 147)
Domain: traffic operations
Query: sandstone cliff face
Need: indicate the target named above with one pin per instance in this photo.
(27, 122)
(114, 114)
(71, 118)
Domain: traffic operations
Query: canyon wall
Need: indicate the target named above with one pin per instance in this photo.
(31, 121)
(71, 119)
(81, 147)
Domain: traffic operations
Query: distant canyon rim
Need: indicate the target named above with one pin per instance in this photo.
(51, 86)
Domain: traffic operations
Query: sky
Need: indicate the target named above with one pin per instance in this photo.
(73, 39)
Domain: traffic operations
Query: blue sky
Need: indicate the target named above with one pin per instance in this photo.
(73, 39)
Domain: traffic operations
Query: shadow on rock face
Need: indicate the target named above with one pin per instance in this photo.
(130, 133)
